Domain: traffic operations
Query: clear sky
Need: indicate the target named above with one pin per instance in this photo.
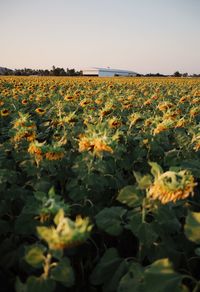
(140, 35)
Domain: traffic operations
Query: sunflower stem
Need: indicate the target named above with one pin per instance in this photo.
(143, 210)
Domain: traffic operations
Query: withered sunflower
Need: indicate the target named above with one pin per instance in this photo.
(40, 111)
(5, 112)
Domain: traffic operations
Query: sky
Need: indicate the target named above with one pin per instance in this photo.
(140, 35)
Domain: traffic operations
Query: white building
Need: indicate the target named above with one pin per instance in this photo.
(107, 72)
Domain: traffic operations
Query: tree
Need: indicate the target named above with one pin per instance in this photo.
(177, 74)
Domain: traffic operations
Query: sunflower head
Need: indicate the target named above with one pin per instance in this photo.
(5, 112)
(40, 111)
(114, 122)
(24, 101)
(171, 186)
(69, 98)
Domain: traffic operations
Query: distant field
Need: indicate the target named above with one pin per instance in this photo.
(99, 184)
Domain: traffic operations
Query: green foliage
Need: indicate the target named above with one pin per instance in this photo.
(160, 277)
(133, 278)
(129, 196)
(192, 227)
(63, 273)
(99, 184)
(110, 220)
(35, 256)
(35, 284)
(109, 270)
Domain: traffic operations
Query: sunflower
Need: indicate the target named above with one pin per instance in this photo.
(69, 97)
(30, 136)
(96, 145)
(31, 98)
(154, 97)
(114, 122)
(84, 102)
(40, 111)
(194, 111)
(54, 155)
(162, 106)
(35, 150)
(100, 146)
(134, 118)
(195, 100)
(1, 103)
(148, 122)
(181, 123)
(43, 217)
(197, 146)
(24, 101)
(84, 144)
(99, 100)
(183, 99)
(5, 112)
(148, 102)
(171, 186)
(145, 141)
(160, 128)
(105, 112)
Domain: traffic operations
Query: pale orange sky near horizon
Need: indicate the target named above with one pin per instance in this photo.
(140, 35)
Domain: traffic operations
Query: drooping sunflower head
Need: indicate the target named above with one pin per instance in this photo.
(171, 186)
(5, 112)
(40, 111)
(69, 98)
(54, 155)
(53, 152)
(114, 122)
(96, 145)
(35, 148)
(24, 101)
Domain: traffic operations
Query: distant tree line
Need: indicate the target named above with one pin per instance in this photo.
(55, 71)
(176, 74)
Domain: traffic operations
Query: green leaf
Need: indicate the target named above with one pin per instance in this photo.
(34, 256)
(59, 216)
(19, 286)
(192, 165)
(114, 280)
(110, 220)
(161, 277)
(192, 227)
(40, 196)
(197, 251)
(34, 284)
(156, 170)
(58, 254)
(104, 270)
(63, 273)
(167, 220)
(129, 195)
(40, 284)
(42, 186)
(133, 278)
(142, 230)
(52, 192)
(143, 181)
(25, 224)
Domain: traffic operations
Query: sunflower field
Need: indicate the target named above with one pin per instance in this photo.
(99, 184)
